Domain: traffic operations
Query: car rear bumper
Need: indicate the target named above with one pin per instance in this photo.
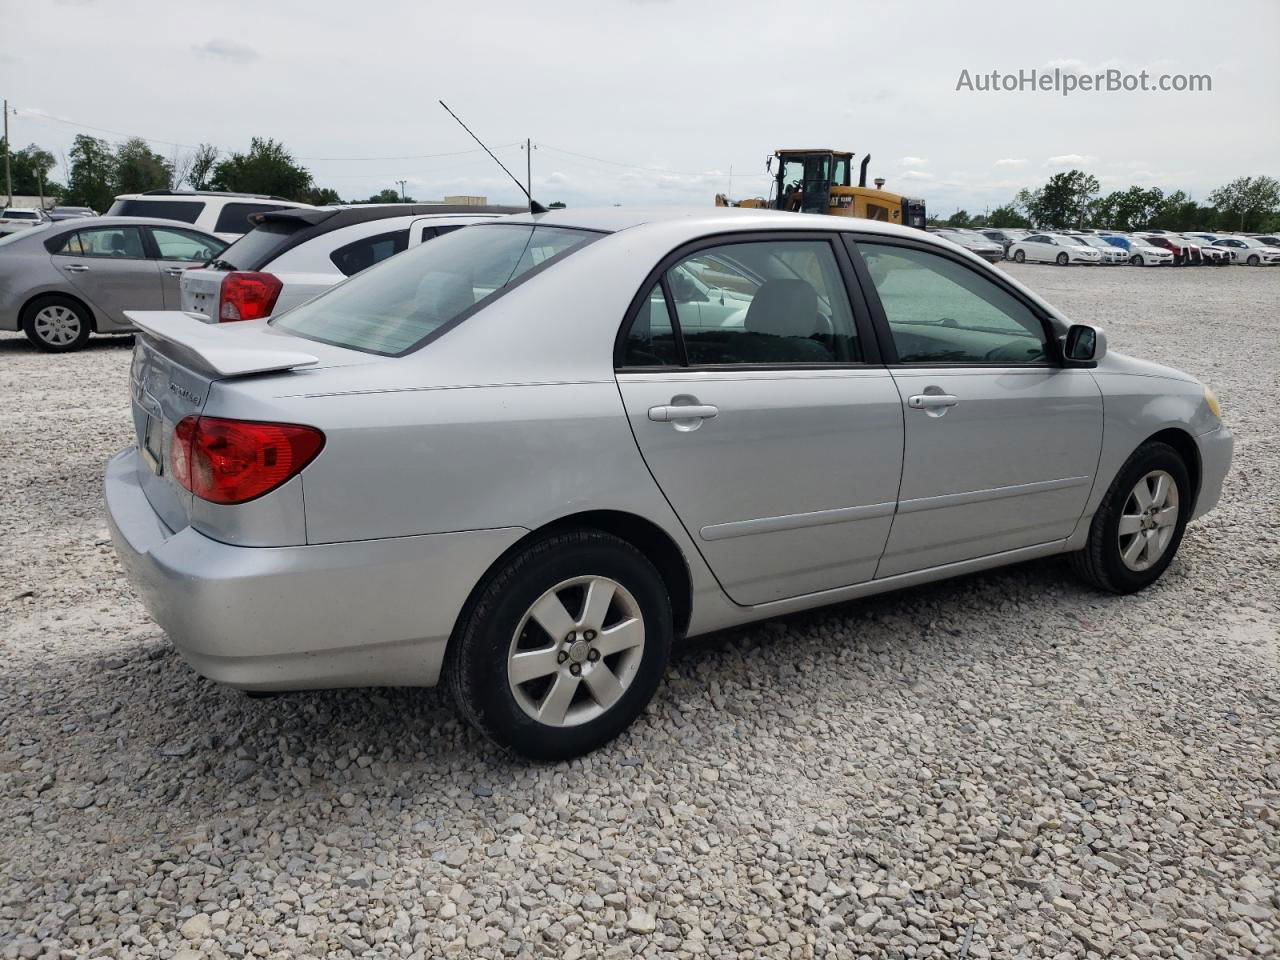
(1215, 461)
(363, 613)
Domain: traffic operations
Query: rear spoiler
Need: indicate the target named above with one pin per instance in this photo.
(228, 350)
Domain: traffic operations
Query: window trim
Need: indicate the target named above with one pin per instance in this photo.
(889, 349)
(862, 319)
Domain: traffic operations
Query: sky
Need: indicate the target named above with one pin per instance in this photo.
(656, 101)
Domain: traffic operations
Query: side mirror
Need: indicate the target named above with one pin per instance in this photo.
(1083, 345)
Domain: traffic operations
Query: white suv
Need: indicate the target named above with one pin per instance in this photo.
(226, 215)
(292, 255)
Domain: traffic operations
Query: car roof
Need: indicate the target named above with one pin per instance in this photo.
(700, 220)
(85, 223)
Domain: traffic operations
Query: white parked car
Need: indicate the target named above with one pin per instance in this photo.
(1054, 248)
(13, 219)
(1111, 254)
(226, 215)
(1139, 251)
(292, 255)
(1249, 251)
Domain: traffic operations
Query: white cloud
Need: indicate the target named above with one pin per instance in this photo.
(1070, 159)
(913, 161)
(229, 51)
(917, 175)
(1011, 161)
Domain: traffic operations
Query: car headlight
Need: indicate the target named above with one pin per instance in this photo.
(1211, 400)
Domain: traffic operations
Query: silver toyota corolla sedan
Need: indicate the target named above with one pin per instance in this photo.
(61, 281)
(528, 456)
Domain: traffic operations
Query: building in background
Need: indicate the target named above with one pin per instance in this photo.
(468, 201)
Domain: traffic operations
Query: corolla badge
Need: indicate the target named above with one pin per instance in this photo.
(184, 393)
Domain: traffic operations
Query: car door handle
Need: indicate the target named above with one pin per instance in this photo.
(76, 267)
(690, 411)
(174, 271)
(931, 401)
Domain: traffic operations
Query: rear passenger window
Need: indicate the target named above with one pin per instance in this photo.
(234, 217)
(651, 340)
(777, 302)
(121, 243)
(365, 252)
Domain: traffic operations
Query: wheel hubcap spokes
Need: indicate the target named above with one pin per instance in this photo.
(1148, 520)
(57, 325)
(576, 651)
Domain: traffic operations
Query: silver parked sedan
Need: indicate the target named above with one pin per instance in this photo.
(528, 456)
(61, 281)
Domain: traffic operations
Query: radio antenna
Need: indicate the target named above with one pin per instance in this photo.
(534, 205)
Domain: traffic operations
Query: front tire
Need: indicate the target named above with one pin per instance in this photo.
(1063, 259)
(1019, 256)
(1137, 260)
(563, 646)
(1139, 524)
(1254, 260)
(56, 324)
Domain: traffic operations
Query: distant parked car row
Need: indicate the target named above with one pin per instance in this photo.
(1153, 248)
(62, 281)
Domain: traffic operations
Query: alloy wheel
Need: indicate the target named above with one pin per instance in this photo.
(56, 325)
(576, 651)
(1148, 521)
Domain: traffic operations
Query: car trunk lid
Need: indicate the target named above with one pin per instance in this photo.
(176, 362)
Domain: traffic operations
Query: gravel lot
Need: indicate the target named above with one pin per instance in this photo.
(1008, 765)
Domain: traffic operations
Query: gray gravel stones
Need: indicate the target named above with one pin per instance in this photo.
(1012, 758)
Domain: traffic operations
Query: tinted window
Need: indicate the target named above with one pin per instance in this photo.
(20, 215)
(430, 233)
(940, 311)
(365, 252)
(396, 307)
(234, 217)
(260, 246)
(766, 302)
(188, 211)
(650, 339)
(185, 246)
(115, 242)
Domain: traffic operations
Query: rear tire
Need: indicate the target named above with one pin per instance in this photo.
(1063, 259)
(543, 664)
(56, 324)
(1019, 256)
(1127, 559)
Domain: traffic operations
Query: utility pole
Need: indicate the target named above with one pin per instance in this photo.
(402, 183)
(8, 180)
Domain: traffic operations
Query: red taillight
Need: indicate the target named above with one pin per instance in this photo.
(234, 461)
(247, 296)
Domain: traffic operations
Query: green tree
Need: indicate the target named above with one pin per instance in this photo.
(267, 167)
(1247, 202)
(203, 160)
(958, 219)
(1008, 216)
(1177, 212)
(1131, 209)
(323, 196)
(555, 206)
(91, 181)
(29, 169)
(1029, 202)
(388, 196)
(139, 168)
(1064, 200)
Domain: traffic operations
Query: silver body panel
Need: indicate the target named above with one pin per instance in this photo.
(808, 487)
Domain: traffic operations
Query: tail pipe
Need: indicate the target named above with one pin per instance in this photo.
(862, 173)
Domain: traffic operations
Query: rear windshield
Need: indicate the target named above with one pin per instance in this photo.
(20, 235)
(234, 217)
(257, 248)
(188, 211)
(398, 305)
